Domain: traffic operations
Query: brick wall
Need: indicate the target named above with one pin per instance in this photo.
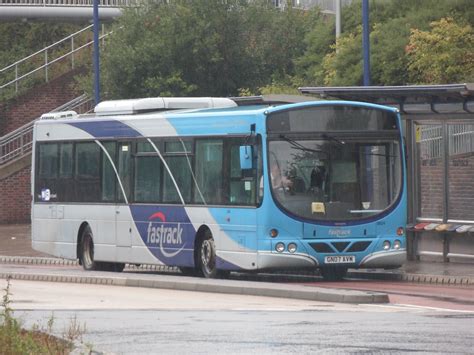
(15, 197)
(461, 187)
(38, 100)
(15, 200)
(431, 186)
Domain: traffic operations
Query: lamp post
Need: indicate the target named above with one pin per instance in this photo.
(365, 41)
(96, 53)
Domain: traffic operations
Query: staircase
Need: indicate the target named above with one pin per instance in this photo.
(42, 82)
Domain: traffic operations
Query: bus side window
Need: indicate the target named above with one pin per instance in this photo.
(66, 186)
(209, 172)
(124, 169)
(148, 170)
(87, 172)
(109, 180)
(47, 172)
(242, 188)
(179, 160)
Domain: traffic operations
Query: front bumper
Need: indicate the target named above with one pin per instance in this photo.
(384, 259)
(267, 260)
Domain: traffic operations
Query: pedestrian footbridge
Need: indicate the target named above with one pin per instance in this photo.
(109, 9)
(62, 9)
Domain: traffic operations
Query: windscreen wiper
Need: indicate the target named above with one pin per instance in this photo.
(332, 138)
(299, 146)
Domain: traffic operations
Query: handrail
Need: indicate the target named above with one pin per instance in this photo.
(18, 143)
(102, 3)
(47, 61)
(45, 48)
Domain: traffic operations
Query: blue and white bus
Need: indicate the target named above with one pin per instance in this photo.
(211, 186)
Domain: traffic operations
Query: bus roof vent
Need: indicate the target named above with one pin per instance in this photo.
(133, 106)
(59, 115)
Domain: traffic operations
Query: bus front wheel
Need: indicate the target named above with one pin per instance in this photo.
(333, 273)
(207, 258)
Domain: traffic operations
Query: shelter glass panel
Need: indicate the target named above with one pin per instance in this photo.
(430, 151)
(461, 172)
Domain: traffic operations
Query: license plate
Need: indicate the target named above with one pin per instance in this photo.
(346, 259)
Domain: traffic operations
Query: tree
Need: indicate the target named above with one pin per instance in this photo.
(391, 22)
(445, 54)
(200, 48)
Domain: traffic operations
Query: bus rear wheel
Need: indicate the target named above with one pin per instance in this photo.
(333, 273)
(87, 255)
(87, 251)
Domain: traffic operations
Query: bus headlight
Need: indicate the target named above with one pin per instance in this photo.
(386, 245)
(397, 244)
(292, 247)
(280, 247)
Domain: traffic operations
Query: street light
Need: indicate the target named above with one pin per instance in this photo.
(365, 41)
(96, 53)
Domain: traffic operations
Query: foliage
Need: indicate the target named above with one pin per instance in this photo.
(201, 47)
(325, 63)
(34, 37)
(318, 43)
(442, 55)
(222, 48)
(343, 66)
(39, 340)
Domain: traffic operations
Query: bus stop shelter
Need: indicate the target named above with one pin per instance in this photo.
(438, 127)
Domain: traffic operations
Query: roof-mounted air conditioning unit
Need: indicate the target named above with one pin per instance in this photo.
(58, 115)
(134, 106)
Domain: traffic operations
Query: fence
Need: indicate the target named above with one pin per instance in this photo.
(460, 137)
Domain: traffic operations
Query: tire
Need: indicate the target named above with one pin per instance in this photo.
(333, 273)
(87, 251)
(207, 256)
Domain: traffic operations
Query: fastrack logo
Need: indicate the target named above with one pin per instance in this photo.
(340, 232)
(160, 235)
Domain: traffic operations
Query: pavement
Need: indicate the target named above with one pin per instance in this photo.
(15, 248)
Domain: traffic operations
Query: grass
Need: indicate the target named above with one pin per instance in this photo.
(14, 339)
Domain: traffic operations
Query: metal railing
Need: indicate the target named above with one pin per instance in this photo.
(325, 5)
(460, 140)
(431, 143)
(104, 3)
(18, 143)
(44, 57)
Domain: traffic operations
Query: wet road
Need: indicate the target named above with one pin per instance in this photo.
(126, 320)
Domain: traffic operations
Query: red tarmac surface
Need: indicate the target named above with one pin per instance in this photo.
(459, 298)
